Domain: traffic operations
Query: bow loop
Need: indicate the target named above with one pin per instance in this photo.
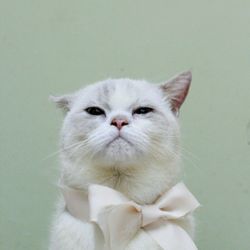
(112, 211)
(119, 224)
(101, 197)
(177, 202)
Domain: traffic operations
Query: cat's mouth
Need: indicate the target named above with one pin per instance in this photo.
(118, 139)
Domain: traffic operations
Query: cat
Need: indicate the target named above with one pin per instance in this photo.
(123, 134)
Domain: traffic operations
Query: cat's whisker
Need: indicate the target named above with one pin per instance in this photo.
(190, 157)
(61, 150)
(83, 147)
(75, 149)
(86, 150)
(189, 153)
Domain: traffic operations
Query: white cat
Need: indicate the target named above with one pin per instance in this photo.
(124, 134)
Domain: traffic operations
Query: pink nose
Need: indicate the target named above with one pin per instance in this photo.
(119, 123)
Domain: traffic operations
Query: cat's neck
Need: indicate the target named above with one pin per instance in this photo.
(141, 184)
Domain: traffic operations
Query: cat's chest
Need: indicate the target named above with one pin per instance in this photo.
(139, 186)
(137, 192)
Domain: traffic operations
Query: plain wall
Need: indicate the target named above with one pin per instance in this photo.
(54, 47)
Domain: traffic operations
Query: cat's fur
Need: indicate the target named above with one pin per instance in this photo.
(142, 164)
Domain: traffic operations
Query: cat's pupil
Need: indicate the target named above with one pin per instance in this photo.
(95, 111)
(142, 110)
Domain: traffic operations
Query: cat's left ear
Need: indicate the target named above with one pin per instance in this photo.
(176, 90)
(64, 102)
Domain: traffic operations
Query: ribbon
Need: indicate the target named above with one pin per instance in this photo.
(120, 218)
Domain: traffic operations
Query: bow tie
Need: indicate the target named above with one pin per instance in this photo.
(120, 218)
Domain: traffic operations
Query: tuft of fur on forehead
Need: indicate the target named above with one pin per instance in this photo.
(144, 149)
(121, 94)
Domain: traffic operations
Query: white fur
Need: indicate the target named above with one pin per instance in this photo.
(142, 164)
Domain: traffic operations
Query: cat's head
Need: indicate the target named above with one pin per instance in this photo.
(123, 122)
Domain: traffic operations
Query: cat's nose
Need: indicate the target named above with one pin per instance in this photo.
(119, 123)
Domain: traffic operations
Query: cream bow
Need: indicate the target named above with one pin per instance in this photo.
(120, 218)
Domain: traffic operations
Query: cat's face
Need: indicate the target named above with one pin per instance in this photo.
(122, 122)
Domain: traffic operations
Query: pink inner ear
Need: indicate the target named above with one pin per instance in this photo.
(177, 88)
(177, 100)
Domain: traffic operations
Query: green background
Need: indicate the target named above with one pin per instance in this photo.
(54, 47)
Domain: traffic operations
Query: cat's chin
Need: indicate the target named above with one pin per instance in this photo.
(118, 152)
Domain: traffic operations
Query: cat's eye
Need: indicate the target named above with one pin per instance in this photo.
(143, 110)
(95, 111)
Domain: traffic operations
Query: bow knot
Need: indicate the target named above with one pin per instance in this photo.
(150, 213)
(120, 218)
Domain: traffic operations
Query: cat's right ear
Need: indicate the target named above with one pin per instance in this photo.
(63, 102)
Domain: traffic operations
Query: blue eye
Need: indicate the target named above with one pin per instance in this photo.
(143, 110)
(95, 111)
